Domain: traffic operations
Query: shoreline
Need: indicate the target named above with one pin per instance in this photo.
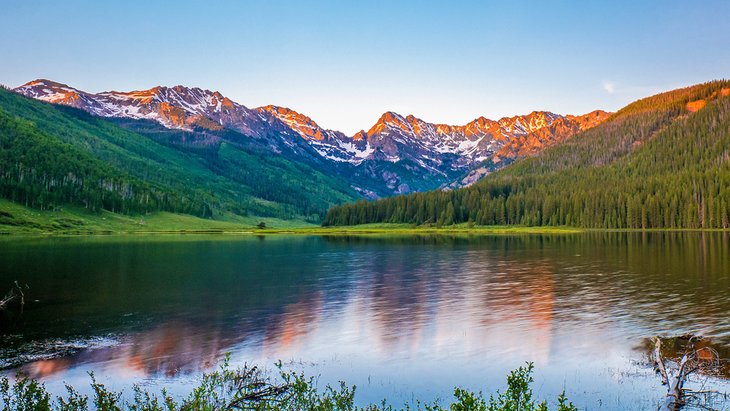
(18, 220)
(351, 230)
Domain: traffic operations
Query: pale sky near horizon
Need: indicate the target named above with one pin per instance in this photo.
(345, 63)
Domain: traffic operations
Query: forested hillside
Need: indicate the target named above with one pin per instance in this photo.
(52, 156)
(397, 155)
(661, 162)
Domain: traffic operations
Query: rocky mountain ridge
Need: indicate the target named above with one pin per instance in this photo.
(398, 154)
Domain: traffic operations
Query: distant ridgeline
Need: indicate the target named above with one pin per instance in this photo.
(663, 161)
(53, 156)
(194, 151)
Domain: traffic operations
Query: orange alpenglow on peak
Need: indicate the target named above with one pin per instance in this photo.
(434, 153)
(591, 119)
(300, 123)
(390, 118)
(697, 105)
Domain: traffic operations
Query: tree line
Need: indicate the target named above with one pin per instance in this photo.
(653, 164)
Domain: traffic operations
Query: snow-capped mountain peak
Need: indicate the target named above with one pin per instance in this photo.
(174, 107)
(423, 148)
(330, 144)
(303, 125)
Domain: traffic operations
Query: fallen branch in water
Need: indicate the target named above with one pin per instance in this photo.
(706, 360)
(15, 293)
(249, 387)
(658, 362)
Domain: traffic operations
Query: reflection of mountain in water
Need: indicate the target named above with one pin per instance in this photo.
(180, 306)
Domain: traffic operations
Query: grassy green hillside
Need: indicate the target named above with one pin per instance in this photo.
(661, 162)
(53, 157)
(18, 219)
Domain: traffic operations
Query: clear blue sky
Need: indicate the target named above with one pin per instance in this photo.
(345, 62)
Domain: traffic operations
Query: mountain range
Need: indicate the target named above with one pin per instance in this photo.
(660, 162)
(397, 155)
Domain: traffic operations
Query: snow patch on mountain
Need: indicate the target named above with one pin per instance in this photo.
(425, 149)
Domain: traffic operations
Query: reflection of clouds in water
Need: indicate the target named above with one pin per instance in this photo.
(387, 312)
(394, 309)
(296, 323)
(569, 304)
(45, 368)
(166, 350)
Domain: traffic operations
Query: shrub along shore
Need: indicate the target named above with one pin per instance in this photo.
(250, 388)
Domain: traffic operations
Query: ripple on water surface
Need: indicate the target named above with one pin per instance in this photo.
(401, 317)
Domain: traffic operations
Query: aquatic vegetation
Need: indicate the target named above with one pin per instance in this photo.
(250, 388)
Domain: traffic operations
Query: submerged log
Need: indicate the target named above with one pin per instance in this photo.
(11, 307)
(659, 362)
(704, 359)
(673, 400)
(16, 293)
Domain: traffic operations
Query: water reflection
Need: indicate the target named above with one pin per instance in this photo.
(422, 312)
(168, 349)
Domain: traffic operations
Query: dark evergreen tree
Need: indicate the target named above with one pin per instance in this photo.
(653, 164)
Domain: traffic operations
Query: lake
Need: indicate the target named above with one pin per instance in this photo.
(402, 317)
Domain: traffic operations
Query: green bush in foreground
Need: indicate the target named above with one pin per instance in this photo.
(250, 389)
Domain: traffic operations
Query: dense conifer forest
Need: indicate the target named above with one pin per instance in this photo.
(660, 162)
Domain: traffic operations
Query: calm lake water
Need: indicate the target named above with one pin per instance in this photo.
(400, 317)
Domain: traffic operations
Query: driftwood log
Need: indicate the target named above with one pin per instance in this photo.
(705, 360)
(16, 293)
(674, 399)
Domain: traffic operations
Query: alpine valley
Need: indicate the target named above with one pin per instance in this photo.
(194, 151)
